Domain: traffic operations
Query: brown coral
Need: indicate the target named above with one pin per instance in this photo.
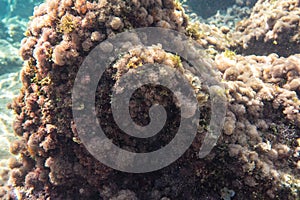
(257, 156)
(273, 27)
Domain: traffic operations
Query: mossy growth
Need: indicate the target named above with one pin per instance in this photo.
(45, 81)
(42, 82)
(296, 100)
(30, 63)
(229, 54)
(134, 63)
(27, 33)
(178, 4)
(272, 1)
(66, 24)
(193, 30)
(177, 61)
(49, 53)
(30, 67)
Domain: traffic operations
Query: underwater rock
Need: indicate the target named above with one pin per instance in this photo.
(230, 18)
(256, 157)
(208, 8)
(273, 27)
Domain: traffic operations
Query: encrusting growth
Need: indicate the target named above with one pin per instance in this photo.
(257, 156)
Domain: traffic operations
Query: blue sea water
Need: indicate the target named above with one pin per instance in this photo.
(22, 8)
(14, 16)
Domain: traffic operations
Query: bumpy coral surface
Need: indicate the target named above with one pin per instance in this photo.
(257, 156)
(272, 27)
(263, 118)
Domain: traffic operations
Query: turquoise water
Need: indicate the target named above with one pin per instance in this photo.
(14, 16)
(10, 63)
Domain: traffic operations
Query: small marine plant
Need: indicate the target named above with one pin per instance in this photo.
(193, 30)
(42, 82)
(134, 63)
(49, 53)
(66, 24)
(178, 4)
(229, 54)
(177, 61)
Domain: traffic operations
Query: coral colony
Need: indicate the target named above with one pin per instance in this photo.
(257, 155)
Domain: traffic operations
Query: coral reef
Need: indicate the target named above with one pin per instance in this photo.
(230, 18)
(263, 142)
(273, 27)
(206, 8)
(257, 156)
